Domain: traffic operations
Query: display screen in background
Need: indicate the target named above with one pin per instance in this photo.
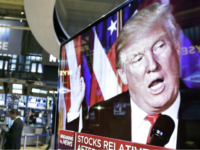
(2, 99)
(49, 102)
(37, 102)
(17, 88)
(2, 115)
(8, 98)
(22, 100)
(21, 111)
(38, 120)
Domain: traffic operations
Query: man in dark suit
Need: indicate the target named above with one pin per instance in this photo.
(13, 136)
(147, 59)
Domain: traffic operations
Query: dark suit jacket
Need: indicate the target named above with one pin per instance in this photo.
(13, 136)
(109, 123)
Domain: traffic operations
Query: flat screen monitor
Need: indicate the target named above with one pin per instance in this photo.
(49, 102)
(8, 98)
(17, 88)
(2, 99)
(139, 60)
(38, 120)
(37, 102)
(2, 115)
(22, 100)
(21, 112)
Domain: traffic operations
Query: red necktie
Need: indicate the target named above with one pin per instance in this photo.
(152, 119)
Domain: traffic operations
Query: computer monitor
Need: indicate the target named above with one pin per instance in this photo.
(2, 99)
(50, 102)
(39, 120)
(37, 102)
(22, 100)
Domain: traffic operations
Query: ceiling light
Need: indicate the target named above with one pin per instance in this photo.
(22, 12)
(99, 107)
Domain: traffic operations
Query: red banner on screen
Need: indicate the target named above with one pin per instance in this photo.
(66, 139)
(92, 142)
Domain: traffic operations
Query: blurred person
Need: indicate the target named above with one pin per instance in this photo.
(48, 128)
(13, 136)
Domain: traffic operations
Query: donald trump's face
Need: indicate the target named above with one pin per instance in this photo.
(151, 70)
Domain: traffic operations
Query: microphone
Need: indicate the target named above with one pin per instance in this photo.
(162, 131)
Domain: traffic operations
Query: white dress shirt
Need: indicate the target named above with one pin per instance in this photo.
(141, 126)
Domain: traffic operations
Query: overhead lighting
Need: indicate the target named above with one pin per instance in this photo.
(53, 92)
(35, 90)
(99, 107)
(22, 12)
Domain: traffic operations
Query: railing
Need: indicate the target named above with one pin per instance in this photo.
(25, 136)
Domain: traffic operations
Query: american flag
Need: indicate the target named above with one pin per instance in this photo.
(94, 50)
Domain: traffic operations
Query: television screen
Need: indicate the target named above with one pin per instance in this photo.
(8, 98)
(37, 102)
(134, 75)
(17, 88)
(2, 115)
(21, 112)
(2, 99)
(38, 120)
(22, 100)
(49, 102)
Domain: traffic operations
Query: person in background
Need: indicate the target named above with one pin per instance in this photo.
(48, 128)
(13, 136)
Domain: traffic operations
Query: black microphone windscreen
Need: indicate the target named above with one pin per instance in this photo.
(162, 130)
